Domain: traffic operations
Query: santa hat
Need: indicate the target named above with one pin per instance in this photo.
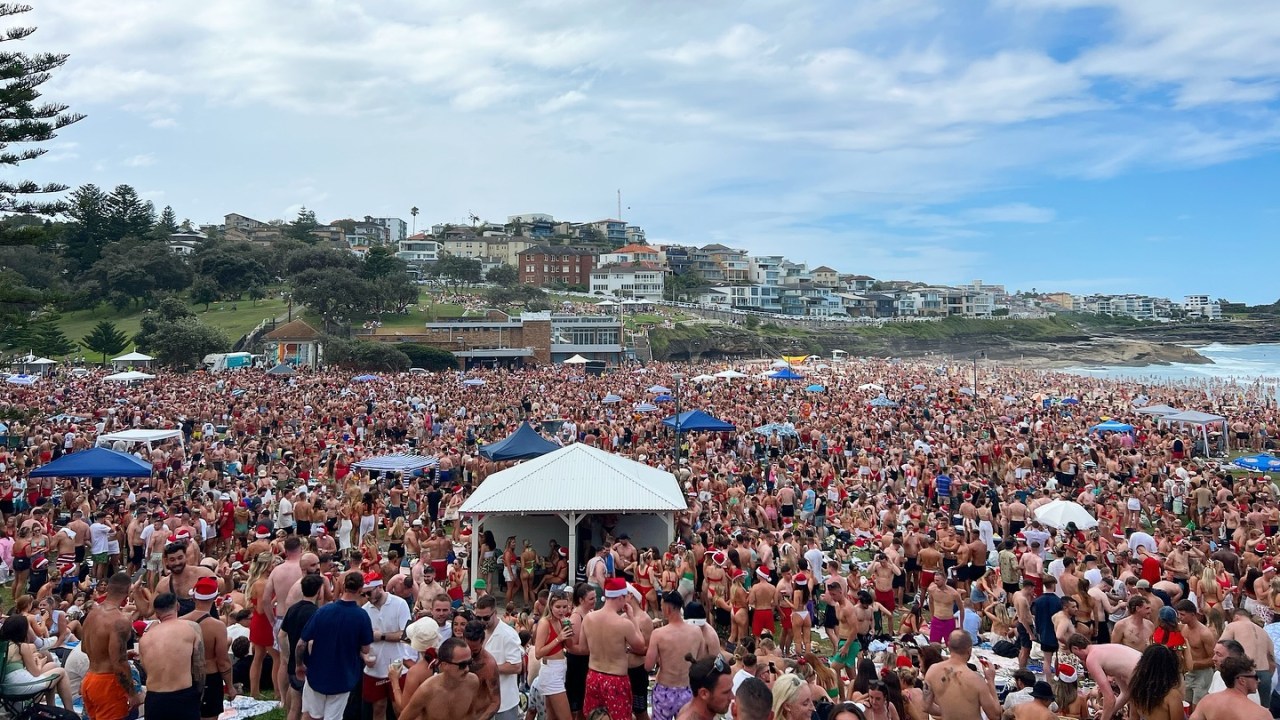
(615, 587)
(184, 534)
(738, 573)
(763, 573)
(372, 580)
(261, 532)
(206, 588)
(140, 626)
(66, 568)
(902, 661)
(40, 564)
(564, 552)
(1067, 673)
(719, 558)
(1260, 547)
(802, 579)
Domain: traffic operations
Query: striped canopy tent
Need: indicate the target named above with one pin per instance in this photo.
(398, 462)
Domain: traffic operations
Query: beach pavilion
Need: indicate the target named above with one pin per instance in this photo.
(1203, 421)
(536, 499)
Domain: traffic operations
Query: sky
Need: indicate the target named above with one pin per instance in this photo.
(1083, 146)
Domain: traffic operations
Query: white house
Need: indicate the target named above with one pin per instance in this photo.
(418, 249)
(641, 281)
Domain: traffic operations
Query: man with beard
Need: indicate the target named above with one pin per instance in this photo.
(182, 577)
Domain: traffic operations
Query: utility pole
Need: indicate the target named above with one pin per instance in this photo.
(619, 203)
(678, 377)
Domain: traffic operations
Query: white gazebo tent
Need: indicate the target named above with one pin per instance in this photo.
(133, 359)
(32, 365)
(1201, 420)
(129, 376)
(571, 484)
(131, 437)
(576, 360)
(1158, 410)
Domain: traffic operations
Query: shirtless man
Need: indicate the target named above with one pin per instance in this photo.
(943, 601)
(954, 692)
(762, 601)
(108, 689)
(1106, 663)
(427, 587)
(448, 693)
(1200, 639)
(845, 637)
(668, 648)
(636, 672)
(182, 577)
(274, 602)
(1257, 647)
(1241, 678)
(1025, 621)
(1136, 628)
(310, 564)
(609, 634)
(1038, 709)
(173, 656)
(930, 563)
(217, 654)
(883, 572)
(488, 694)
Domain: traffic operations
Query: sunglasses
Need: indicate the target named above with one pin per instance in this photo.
(709, 679)
(460, 664)
(484, 618)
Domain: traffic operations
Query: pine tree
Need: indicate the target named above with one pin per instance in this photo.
(48, 340)
(105, 338)
(166, 225)
(22, 120)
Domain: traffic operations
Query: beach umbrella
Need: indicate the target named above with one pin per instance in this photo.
(786, 374)
(918, 386)
(664, 399)
(1258, 463)
(128, 376)
(730, 374)
(473, 382)
(1070, 401)
(1010, 399)
(611, 399)
(780, 364)
(883, 402)
(779, 428)
(1060, 512)
(871, 386)
(658, 390)
(1141, 400)
(644, 407)
(815, 388)
(966, 391)
(364, 378)
(22, 379)
(702, 378)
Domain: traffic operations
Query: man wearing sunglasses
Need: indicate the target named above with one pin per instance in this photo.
(448, 693)
(609, 635)
(712, 681)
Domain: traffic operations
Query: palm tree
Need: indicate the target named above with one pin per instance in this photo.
(414, 212)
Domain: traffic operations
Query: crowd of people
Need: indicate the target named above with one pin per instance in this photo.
(875, 552)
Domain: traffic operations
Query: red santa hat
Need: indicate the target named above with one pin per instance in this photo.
(1260, 547)
(372, 580)
(66, 568)
(40, 564)
(615, 587)
(719, 558)
(564, 552)
(802, 579)
(1067, 673)
(763, 572)
(261, 532)
(206, 588)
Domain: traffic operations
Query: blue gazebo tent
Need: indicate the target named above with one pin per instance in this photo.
(96, 462)
(696, 421)
(523, 444)
(786, 374)
(398, 462)
(1111, 426)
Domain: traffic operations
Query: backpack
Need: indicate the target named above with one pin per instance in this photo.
(47, 712)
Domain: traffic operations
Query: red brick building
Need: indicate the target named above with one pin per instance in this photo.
(545, 265)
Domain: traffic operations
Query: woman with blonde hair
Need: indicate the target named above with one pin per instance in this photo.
(553, 631)
(261, 636)
(792, 699)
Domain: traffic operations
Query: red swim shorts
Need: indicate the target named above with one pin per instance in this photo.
(611, 692)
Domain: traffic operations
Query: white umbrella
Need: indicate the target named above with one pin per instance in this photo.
(702, 378)
(780, 364)
(473, 382)
(1060, 512)
(576, 360)
(730, 374)
(659, 390)
(871, 386)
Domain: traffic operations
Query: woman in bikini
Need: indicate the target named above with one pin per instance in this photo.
(646, 580)
(801, 623)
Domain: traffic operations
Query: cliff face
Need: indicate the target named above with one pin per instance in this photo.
(1063, 349)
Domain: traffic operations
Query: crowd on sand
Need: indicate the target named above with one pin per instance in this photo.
(880, 550)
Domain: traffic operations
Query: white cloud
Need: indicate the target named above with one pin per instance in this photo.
(761, 127)
(141, 160)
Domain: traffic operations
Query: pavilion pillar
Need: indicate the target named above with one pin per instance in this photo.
(670, 520)
(572, 520)
(476, 520)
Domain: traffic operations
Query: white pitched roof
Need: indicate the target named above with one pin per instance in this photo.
(132, 357)
(577, 478)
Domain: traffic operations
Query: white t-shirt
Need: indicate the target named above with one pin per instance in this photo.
(393, 616)
(1140, 539)
(285, 508)
(504, 645)
(814, 557)
(98, 541)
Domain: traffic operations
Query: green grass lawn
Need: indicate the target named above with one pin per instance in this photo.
(234, 322)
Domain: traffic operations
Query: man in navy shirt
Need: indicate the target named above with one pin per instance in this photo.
(341, 633)
(1043, 609)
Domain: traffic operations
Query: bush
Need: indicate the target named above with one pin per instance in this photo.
(365, 356)
(427, 357)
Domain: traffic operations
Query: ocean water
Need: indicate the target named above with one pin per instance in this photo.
(1243, 362)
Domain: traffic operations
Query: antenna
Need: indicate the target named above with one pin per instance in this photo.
(619, 203)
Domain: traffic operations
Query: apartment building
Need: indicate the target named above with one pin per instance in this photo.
(825, 276)
(641, 281)
(631, 254)
(419, 249)
(760, 298)
(1202, 307)
(397, 229)
(734, 265)
(543, 265)
(766, 269)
